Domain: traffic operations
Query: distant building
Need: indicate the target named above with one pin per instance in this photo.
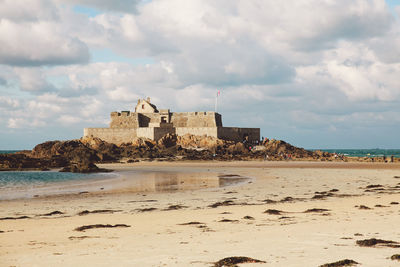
(149, 122)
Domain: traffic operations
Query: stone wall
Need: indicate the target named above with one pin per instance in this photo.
(161, 131)
(124, 119)
(154, 133)
(112, 135)
(125, 135)
(146, 118)
(196, 119)
(127, 119)
(209, 131)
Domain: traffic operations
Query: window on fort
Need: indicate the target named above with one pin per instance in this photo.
(163, 119)
(142, 106)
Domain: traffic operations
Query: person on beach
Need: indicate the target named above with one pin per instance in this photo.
(392, 159)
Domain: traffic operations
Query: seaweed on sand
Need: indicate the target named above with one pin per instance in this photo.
(175, 207)
(224, 203)
(85, 212)
(228, 220)
(232, 261)
(146, 209)
(191, 223)
(14, 218)
(315, 210)
(373, 241)
(273, 212)
(56, 212)
(92, 226)
(341, 263)
(395, 257)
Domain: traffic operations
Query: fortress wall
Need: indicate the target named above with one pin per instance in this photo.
(111, 135)
(195, 119)
(124, 119)
(238, 134)
(209, 131)
(161, 131)
(146, 118)
(145, 132)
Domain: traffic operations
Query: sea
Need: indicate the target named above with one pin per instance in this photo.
(371, 153)
(28, 184)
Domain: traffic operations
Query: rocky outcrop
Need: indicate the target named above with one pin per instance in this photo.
(86, 167)
(189, 141)
(283, 149)
(81, 155)
(167, 141)
(19, 161)
(73, 150)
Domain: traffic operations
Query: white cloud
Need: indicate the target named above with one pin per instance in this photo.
(38, 44)
(68, 119)
(8, 103)
(291, 66)
(22, 11)
(33, 80)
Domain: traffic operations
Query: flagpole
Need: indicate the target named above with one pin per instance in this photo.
(216, 103)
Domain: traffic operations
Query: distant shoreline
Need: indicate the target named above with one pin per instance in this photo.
(348, 152)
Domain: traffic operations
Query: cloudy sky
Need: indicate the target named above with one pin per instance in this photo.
(315, 73)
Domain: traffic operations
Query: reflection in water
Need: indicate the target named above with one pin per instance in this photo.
(174, 181)
(127, 181)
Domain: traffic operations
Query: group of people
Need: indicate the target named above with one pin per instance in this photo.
(391, 158)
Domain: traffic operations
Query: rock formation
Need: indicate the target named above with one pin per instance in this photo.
(81, 155)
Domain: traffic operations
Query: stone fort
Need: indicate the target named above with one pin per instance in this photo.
(149, 122)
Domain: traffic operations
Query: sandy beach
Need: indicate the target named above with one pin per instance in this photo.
(283, 213)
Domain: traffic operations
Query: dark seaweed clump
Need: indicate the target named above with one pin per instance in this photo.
(395, 257)
(92, 226)
(273, 212)
(315, 210)
(341, 263)
(373, 241)
(232, 261)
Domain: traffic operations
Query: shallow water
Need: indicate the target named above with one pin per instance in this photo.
(28, 184)
(14, 185)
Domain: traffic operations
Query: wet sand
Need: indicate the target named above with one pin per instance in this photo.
(289, 214)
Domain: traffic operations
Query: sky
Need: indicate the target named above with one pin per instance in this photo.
(315, 73)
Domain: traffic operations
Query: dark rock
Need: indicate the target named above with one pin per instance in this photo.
(83, 168)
